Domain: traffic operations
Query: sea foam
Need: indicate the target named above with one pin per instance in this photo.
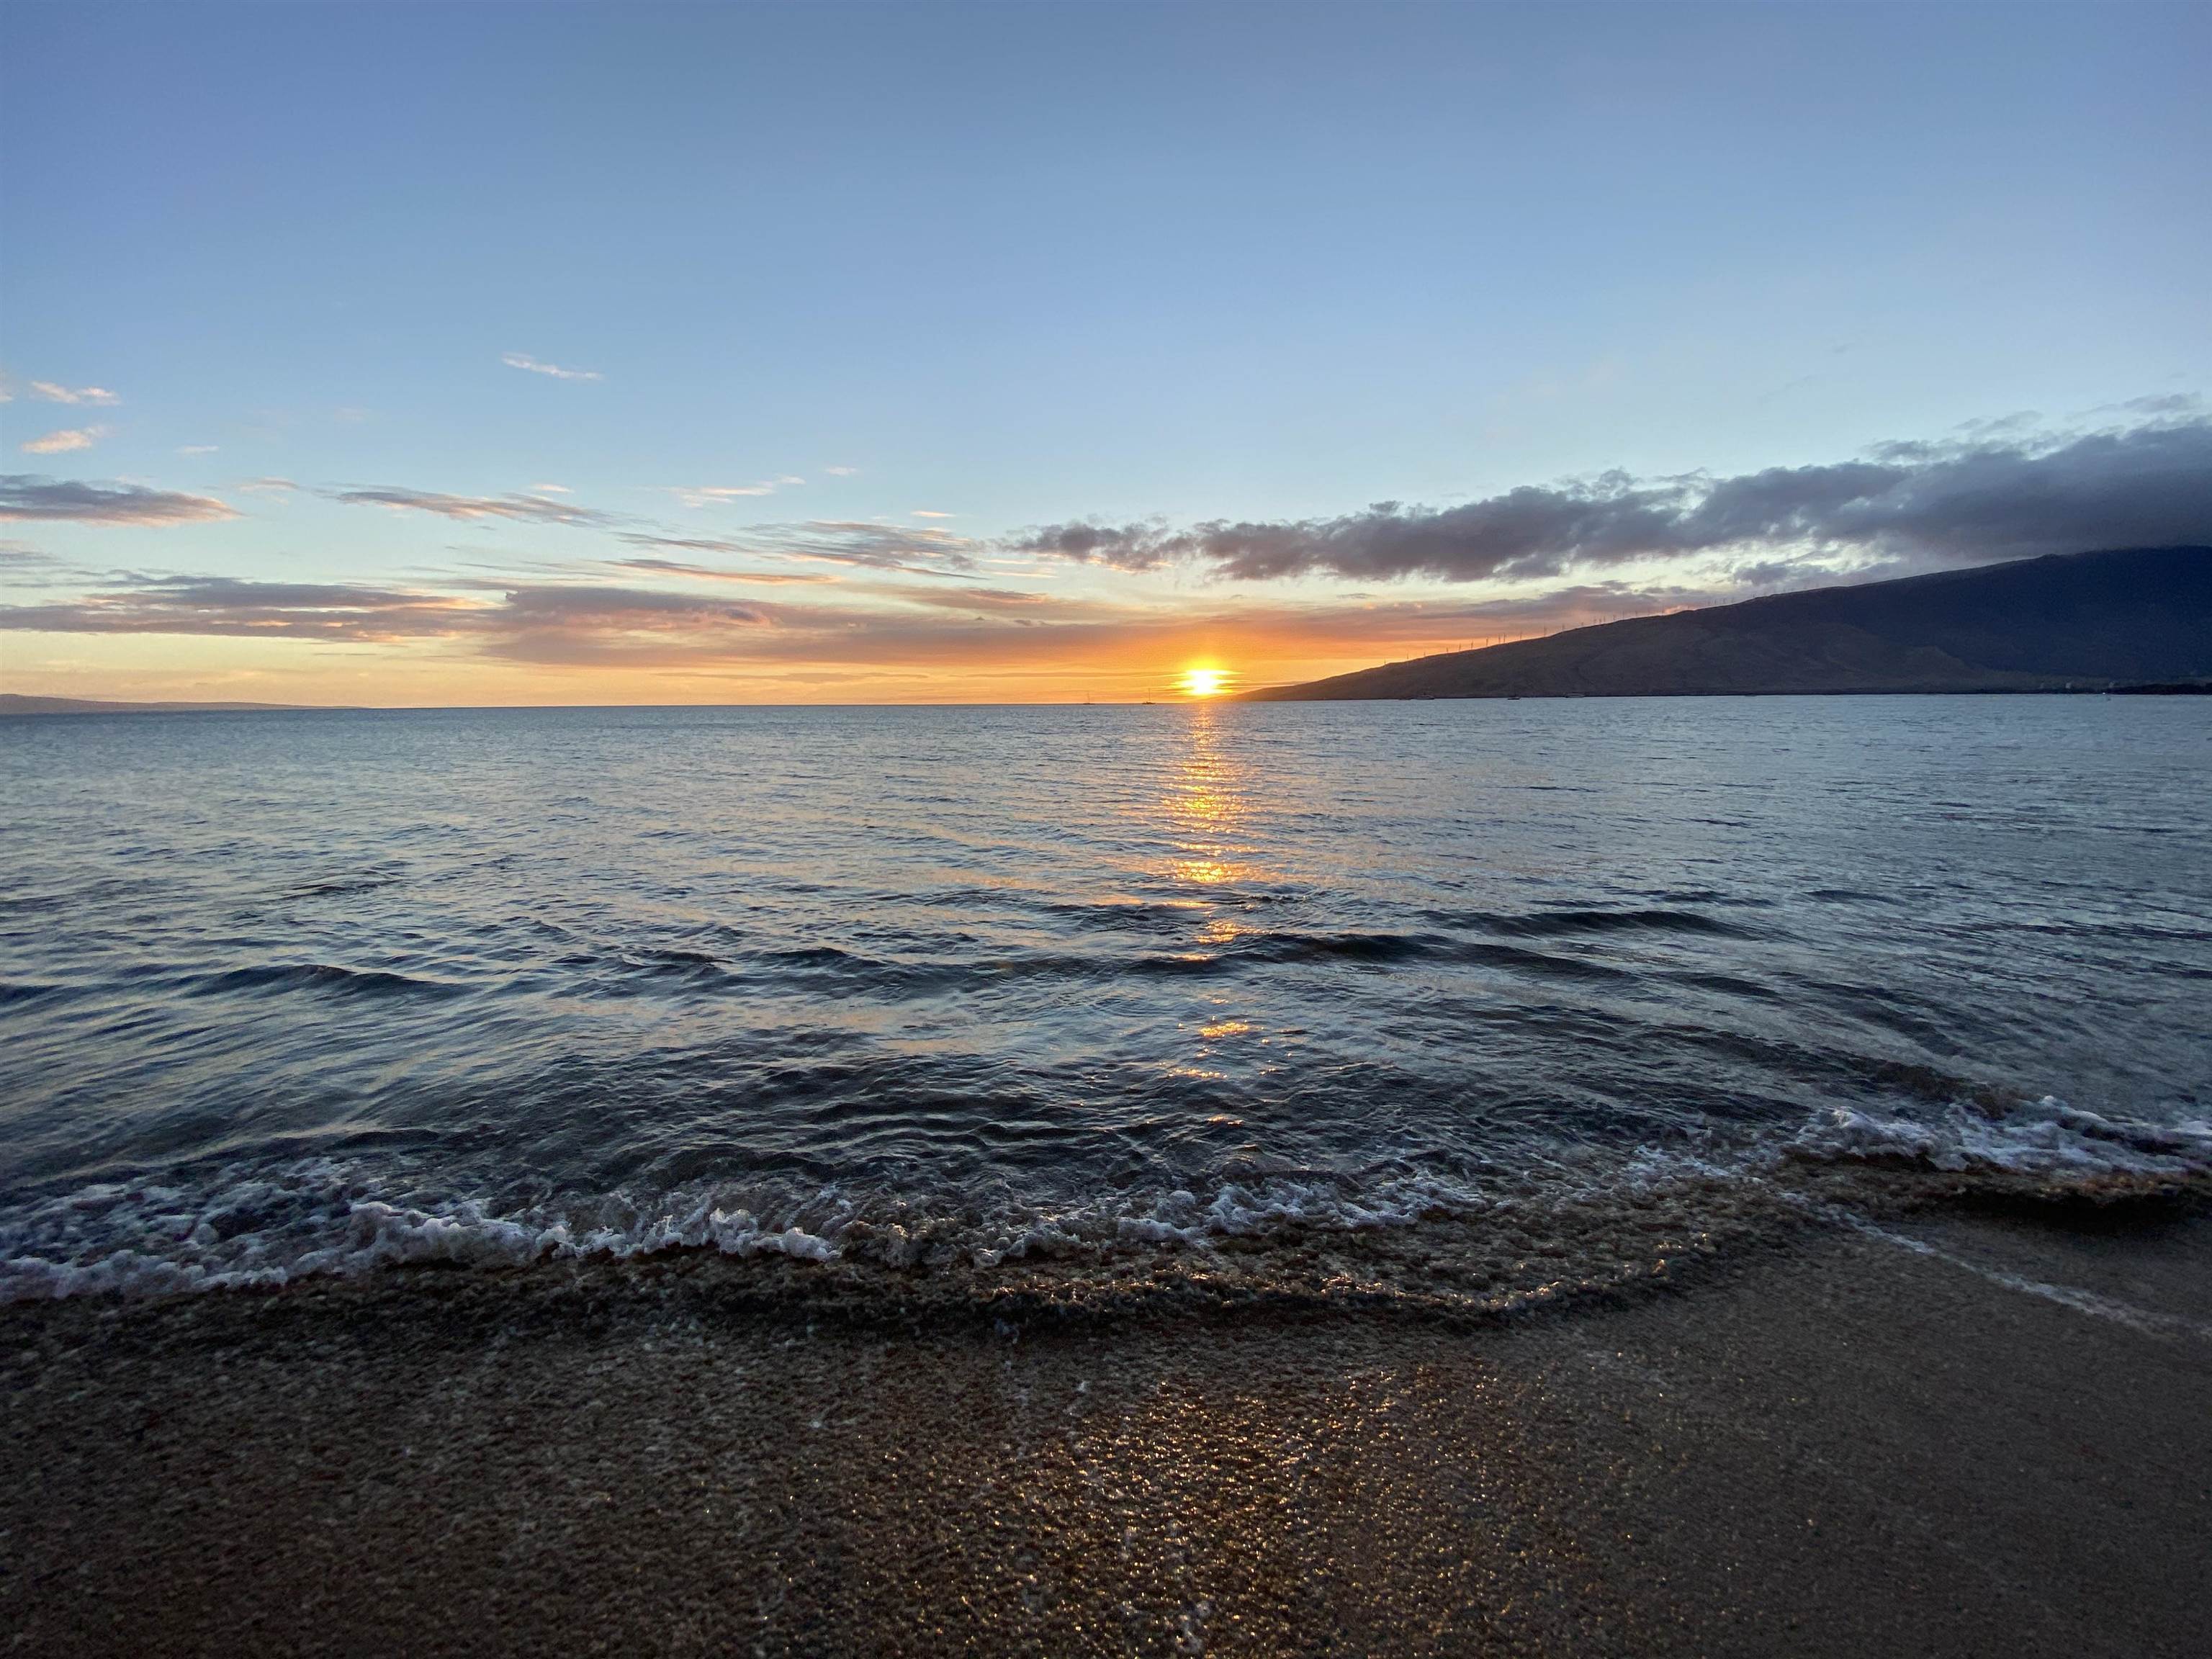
(314, 1219)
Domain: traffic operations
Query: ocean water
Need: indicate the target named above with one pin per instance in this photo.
(1472, 999)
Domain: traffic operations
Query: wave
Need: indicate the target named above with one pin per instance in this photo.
(13, 992)
(337, 887)
(2046, 1139)
(624, 972)
(319, 976)
(1575, 1216)
(827, 967)
(1552, 924)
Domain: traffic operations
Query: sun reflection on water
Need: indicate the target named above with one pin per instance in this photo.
(1206, 808)
(1205, 805)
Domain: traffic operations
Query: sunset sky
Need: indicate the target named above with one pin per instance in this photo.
(520, 354)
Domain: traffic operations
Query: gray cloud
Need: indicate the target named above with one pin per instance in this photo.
(525, 621)
(594, 608)
(916, 552)
(1911, 504)
(704, 573)
(1141, 546)
(912, 549)
(25, 496)
(521, 508)
(226, 605)
(21, 564)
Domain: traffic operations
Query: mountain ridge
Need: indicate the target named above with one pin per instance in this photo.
(2095, 621)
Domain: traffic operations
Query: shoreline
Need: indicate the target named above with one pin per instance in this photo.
(1977, 1431)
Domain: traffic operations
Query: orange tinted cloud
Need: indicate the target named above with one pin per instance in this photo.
(539, 641)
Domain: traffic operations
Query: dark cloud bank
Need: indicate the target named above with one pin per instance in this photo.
(1911, 505)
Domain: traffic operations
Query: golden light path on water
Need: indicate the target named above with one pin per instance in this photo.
(1205, 807)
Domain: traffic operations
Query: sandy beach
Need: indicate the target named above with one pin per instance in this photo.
(1962, 1434)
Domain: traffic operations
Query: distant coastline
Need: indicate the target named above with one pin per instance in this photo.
(2136, 620)
(13, 703)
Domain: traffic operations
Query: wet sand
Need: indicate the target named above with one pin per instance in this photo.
(1999, 1441)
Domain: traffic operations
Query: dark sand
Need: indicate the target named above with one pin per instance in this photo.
(1843, 1447)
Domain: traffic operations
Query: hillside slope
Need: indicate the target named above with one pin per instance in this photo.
(2079, 620)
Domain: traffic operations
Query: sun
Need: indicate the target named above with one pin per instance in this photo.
(1204, 682)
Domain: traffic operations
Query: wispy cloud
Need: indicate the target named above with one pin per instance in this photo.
(61, 442)
(521, 508)
(713, 495)
(196, 449)
(54, 393)
(966, 630)
(842, 471)
(915, 549)
(521, 623)
(706, 572)
(23, 495)
(222, 605)
(523, 360)
(924, 513)
(1910, 503)
(19, 560)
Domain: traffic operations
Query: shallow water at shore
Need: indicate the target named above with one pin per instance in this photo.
(1094, 996)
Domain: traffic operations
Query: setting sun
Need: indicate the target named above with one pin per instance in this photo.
(1204, 682)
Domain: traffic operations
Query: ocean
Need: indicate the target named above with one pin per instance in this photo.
(1474, 1003)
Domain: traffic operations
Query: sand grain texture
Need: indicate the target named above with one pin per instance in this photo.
(1848, 1447)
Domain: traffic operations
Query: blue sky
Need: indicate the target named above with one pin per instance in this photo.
(1024, 266)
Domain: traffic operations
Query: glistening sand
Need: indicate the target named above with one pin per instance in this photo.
(1959, 1434)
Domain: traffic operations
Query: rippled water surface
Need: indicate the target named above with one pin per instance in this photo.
(285, 992)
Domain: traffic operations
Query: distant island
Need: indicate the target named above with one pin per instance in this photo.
(12, 704)
(2139, 619)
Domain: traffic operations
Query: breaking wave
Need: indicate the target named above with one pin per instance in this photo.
(317, 1217)
(2046, 1138)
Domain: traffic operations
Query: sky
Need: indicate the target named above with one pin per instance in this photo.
(532, 354)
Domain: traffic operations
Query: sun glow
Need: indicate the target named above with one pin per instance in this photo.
(1204, 682)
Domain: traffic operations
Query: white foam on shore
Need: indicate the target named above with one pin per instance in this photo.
(2046, 1138)
(321, 1217)
(176, 1250)
(162, 1245)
